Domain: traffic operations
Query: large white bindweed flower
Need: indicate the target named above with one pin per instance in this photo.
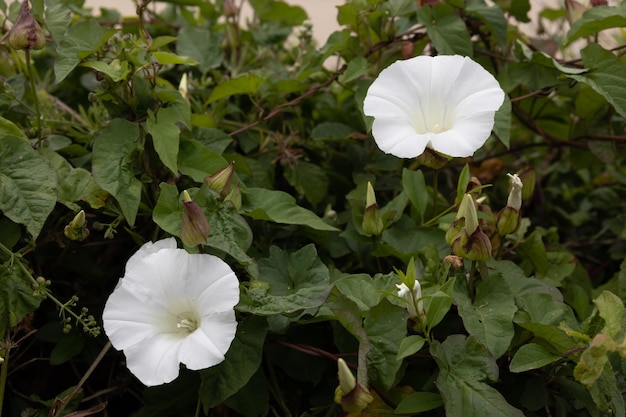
(172, 307)
(446, 103)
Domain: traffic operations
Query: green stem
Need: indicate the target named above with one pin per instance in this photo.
(33, 89)
(4, 372)
(82, 381)
(198, 407)
(472, 281)
(435, 191)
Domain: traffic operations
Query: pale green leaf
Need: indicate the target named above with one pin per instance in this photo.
(245, 84)
(27, 184)
(279, 207)
(168, 58)
(8, 128)
(410, 345)
(419, 402)
(113, 168)
(597, 19)
(611, 309)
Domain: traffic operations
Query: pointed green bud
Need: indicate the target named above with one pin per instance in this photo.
(77, 228)
(195, 226)
(220, 180)
(507, 221)
(352, 396)
(467, 210)
(234, 197)
(454, 230)
(372, 223)
(433, 159)
(26, 33)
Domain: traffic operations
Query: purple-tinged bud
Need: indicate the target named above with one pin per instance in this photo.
(195, 226)
(475, 247)
(26, 33)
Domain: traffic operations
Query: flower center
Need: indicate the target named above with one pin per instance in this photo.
(437, 128)
(187, 325)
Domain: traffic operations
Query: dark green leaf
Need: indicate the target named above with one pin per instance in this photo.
(27, 184)
(165, 135)
(113, 168)
(242, 361)
(81, 40)
(532, 356)
(16, 297)
(245, 84)
(419, 402)
(597, 19)
(201, 45)
(198, 161)
(414, 185)
(446, 30)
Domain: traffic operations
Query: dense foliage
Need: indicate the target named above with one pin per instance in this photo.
(130, 118)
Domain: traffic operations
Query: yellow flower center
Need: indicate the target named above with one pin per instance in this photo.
(188, 325)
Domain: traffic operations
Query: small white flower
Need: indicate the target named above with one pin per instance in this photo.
(446, 103)
(172, 307)
(405, 292)
(515, 196)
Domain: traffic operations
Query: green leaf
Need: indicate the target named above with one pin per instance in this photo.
(16, 297)
(289, 283)
(279, 207)
(364, 290)
(419, 402)
(81, 39)
(465, 365)
(490, 317)
(201, 45)
(532, 356)
(606, 75)
(494, 19)
(27, 184)
(242, 361)
(502, 125)
(113, 167)
(410, 345)
(356, 68)
(446, 30)
(308, 179)
(414, 185)
(385, 325)
(198, 161)
(611, 309)
(165, 135)
(245, 84)
(117, 72)
(168, 58)
(438, 304)
(229, 232)
(58, 18)
(8, 128)
(597, 19)
(278, 11)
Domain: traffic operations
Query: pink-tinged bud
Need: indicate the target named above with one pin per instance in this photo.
(220, 180)
(77, 228)
(230, 9)
(372, 223)
(352, 396)
(195, 226)
(26, 33)
(433, 159)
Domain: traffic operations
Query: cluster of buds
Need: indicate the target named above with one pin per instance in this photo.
(26, 33)
(351, 394)
(77, 228)
(195, 226)
(465, 237)
(372, 224)
(221, 181)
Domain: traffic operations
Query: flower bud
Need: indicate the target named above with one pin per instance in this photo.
(352, 396)
(234, 197)
(467, 210)
(230, 8)
(77, 228)
(515, 195)
(26, 33)
(508, 219)
(415, 305)
(183, 87)
(220, 180)
(573, 10)
(372, 223)
(475, 246)
(195, 227)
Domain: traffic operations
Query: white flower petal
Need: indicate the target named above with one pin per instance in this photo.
(207, 346)
(150, 248)
(155, 360)
(427, 101)
(211, 283)
(130, 316)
